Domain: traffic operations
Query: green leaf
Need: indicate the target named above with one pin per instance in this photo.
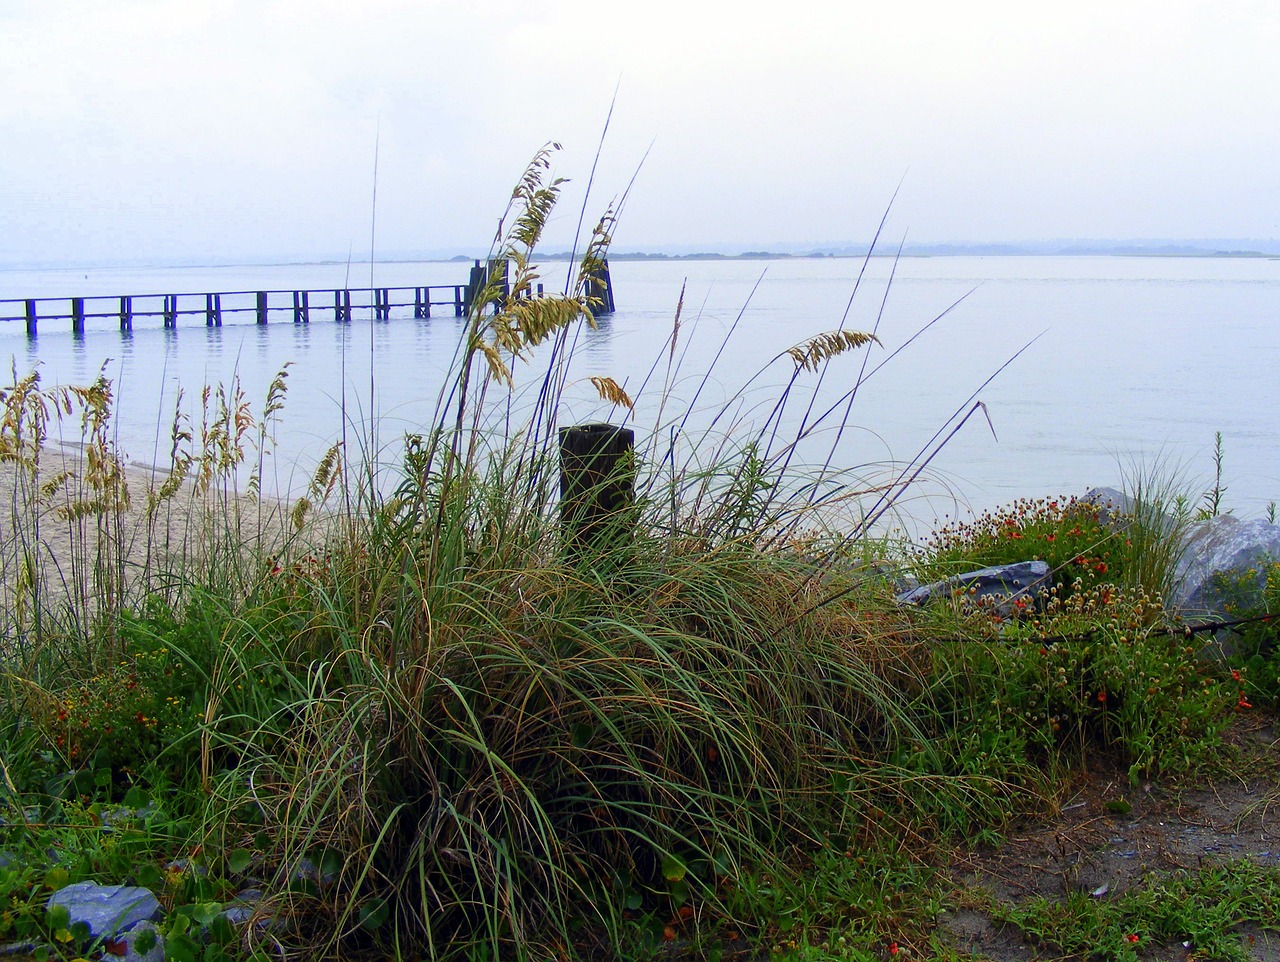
(673, 868)
(634, 901)
(136, 797)
(148, 875)
(330, 864)
(221, 930)
(180, 948)
(59, 916)
(206, 912)
(373, 914)
(239, 860)
(678, 892)
(145, 941)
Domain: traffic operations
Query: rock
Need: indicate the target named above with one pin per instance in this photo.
(1218, 553)
(248, 907)
(1111, 500)
(1113, 503)
(107, 910)
(129, 942)
(1001, 584)
(241, 909)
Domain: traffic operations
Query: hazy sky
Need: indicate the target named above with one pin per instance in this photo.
(227, 128)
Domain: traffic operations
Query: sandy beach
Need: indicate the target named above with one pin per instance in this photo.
(50, 529)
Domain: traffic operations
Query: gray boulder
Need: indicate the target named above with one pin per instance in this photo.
(1219, 553)
(1115, 506)
(130, 939)
(107, 910)
(1001, 584)
(1112, 501)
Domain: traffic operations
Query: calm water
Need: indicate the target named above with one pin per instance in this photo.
(1134, 359)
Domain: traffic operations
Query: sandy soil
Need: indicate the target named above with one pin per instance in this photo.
(1090, 847)
(67, 550)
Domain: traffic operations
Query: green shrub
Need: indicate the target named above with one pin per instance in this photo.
(1069, 534)
(1255, 649)
(128, 714)
(1114, 684)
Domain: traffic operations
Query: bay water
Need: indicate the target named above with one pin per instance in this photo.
(1088, 368)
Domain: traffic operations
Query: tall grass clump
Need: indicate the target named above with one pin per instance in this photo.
(496, 742)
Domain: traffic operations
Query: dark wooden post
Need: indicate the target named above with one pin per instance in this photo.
(342, 305)
(126, 312)
(600, 286)
(302, 307)
(171, 310)
(213, 310)
(382, 300)
(422, 302)
(31, 317)
(597, 487)
(459, 300)
(77, 315)
(474, 285)
(262, 307)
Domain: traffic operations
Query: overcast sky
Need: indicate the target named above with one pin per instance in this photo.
(229, 128)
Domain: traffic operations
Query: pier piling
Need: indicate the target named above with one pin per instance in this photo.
(597, 488)
(600, 287)
(213, 310)
(126, 312)
(301, 307)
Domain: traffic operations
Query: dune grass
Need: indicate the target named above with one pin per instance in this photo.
(422, 725)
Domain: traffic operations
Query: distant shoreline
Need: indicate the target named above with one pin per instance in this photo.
(1271, 251)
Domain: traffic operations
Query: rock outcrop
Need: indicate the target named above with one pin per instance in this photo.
(999, 586)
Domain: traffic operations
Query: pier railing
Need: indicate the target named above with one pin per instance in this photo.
(301, 305)
(213, 307)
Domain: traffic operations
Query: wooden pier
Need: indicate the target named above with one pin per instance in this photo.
(301, 305)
